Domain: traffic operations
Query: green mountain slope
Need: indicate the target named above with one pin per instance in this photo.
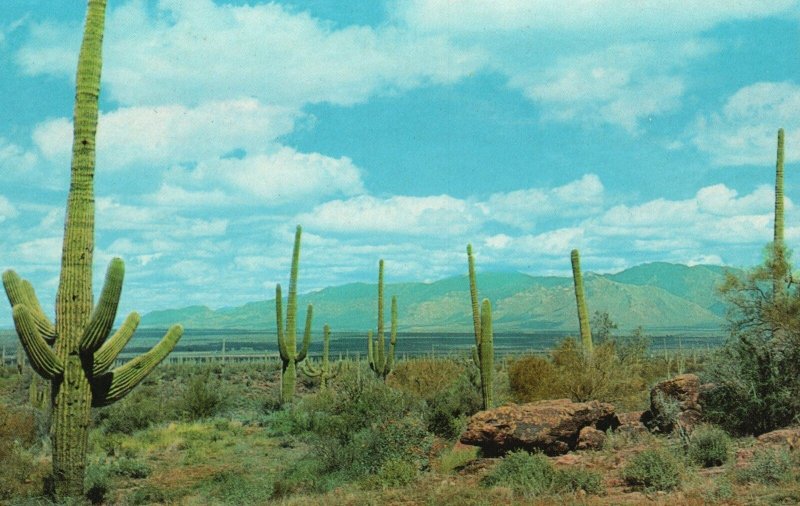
(655, 296)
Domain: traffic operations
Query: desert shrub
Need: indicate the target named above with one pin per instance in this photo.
(769, 466)
(532, 378)
(97, 483)
(203, 398)
(613, 373)
(447, 410)
(137, 411)
(531, 475)
(709, 446)
(130, 468)
(394, 472)
(234, 487)
(452, 459)
(425, 377)
(147, 494)
(652, 469)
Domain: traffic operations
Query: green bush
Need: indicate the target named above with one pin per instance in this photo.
(203, 398)
(144, 406)
(532, 378)
(532, 475)
(447, 411)
(394, 472)
(769, 466)
(709, 446)
(97, 483)
(652, 470)
(131, 468)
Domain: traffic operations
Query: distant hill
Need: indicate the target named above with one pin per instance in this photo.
(655, 296)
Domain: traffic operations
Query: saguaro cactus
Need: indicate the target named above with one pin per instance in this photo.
(76, 353)
(580, 299)
(379, 360)
(483, 351)
(287, 341)
(781, 268)
(324, 372)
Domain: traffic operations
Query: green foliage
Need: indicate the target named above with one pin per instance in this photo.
(602, 326)
(531, 378)
(97, 483)
(769, 466)
(531, 475)
(651, 470)
(395, 472)
(453, 459)
(135, 412)
(130, 468)
(203, 398)
(709, 446)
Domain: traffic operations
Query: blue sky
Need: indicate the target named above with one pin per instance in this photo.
(400, 130)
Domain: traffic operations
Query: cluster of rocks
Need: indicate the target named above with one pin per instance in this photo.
(556, 427)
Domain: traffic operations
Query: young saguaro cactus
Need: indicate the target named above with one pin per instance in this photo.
(380, 361)
(580, 298)
(287, 340)
(324, 372)
(483, 351)
(76, 353)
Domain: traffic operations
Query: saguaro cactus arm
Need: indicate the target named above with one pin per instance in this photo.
(105, 311)
(105, 356)
(306, 335)
(42, 357)
(114, 385)
(20, 291)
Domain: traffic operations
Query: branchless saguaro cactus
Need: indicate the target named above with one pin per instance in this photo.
(780, 272)
(483, 351)
(76, 353)
(325, 372)
(580, 299)
(287, 340)
(380, 361)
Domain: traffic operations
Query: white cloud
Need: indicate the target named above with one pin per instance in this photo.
(521, 208)
(744, 131)
(7, 209)
(435, 215)
(272, 179)
(14, 159)
(157, 137)
(190, 51)
(656, 18)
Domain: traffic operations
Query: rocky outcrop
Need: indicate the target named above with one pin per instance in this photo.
(551, 426)
(675, 403)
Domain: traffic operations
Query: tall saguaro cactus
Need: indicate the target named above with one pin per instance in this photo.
(483, 351)
(779, 273)
(380, 361)
(580, 298)
(76, 352)
(324, 372)
(287, 340)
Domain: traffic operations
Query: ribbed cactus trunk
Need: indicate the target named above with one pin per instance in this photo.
(580, 298)
(380, 361)
(483, 351)
(76, 353)
(324, 372)
(777, 240)
(287, 338)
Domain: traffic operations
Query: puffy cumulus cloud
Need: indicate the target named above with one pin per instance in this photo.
(716, 214)
(158, 137)
(190, 51)
(744, 131)
(266, 179)
(435, 215)
(619, 85)
(653, 18)
(522, 208)
(15, 159)
(637, 65)
(7, 209)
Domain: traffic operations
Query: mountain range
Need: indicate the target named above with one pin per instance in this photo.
(656, 296)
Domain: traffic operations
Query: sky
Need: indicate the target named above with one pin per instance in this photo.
(402, 130)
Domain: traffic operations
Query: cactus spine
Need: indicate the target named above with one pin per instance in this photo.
(580, 299)
(483, 351)
(324, 372)
(287, 340)
(777, 242)
(380, 361)
(76, 353)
